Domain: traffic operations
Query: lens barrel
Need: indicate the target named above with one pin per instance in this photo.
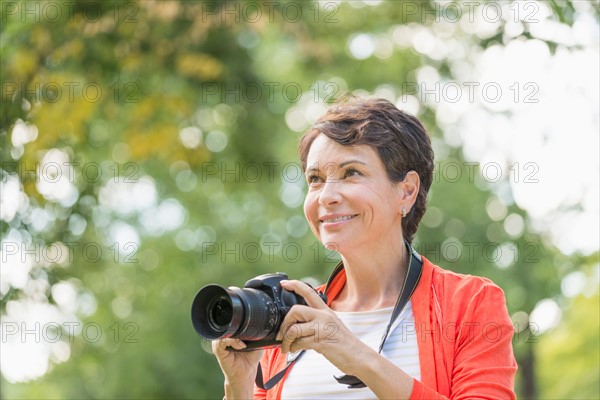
(247, 314)
(216, 312)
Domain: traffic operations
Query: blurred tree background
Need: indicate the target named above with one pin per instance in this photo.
(149, 148)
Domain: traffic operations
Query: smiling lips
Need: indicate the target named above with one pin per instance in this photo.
(328, 219)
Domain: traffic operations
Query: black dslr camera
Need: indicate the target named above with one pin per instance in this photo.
(253, 314)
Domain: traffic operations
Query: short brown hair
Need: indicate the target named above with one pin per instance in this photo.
(400, 140)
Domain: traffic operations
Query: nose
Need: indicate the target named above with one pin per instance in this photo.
(330, 193)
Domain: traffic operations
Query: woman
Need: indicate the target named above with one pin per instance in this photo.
(369, 167)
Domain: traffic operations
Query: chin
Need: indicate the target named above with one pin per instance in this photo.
(330, 245)
(334, 243)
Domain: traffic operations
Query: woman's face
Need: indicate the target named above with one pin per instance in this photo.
(351, 203)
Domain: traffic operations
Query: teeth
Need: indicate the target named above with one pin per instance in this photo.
(337, 219)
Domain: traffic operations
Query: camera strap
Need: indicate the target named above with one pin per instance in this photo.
(277, 377)
(413, 275)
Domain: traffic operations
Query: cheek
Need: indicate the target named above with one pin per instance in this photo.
(311, 210)
(308, 206)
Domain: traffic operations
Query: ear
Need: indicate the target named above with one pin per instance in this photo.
(409, 191)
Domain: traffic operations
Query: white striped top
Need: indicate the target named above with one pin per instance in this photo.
(312, 375)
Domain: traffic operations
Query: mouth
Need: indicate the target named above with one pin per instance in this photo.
(329, 220)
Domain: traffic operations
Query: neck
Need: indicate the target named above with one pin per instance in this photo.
(374, 278)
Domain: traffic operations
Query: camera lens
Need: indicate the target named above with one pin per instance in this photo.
(247, 314)
(220, 312)
(261, 315)
(217, 312)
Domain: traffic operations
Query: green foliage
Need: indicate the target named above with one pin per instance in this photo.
(578, 379)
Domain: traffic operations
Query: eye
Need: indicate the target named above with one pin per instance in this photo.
(350, 172)
(312, 179)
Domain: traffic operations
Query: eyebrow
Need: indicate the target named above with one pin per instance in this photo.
(341, 165)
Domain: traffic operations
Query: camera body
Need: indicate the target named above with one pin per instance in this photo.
(253, 314)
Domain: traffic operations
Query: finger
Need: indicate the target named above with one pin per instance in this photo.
(309, 294)
(222, 344)
(303, 343)
(236, 344)
(293, 333)
(297, 313)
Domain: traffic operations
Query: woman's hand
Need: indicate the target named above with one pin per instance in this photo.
(236, 364)
(238, 367)
(317, 327)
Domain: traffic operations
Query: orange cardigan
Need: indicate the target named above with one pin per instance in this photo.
(464, 335)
